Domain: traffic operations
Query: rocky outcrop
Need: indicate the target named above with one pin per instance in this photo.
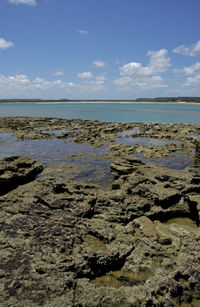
(197, 152)
(65, 243)
(125, 166)
(70, 244)
(97, 132)
(17, 170)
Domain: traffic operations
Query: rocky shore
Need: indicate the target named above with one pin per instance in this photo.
(70, 243)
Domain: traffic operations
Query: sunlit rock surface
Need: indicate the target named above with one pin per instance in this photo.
(67, 243)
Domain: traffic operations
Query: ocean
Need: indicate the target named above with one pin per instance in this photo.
(109, 112)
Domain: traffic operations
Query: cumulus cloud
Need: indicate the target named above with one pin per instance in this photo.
(4, 44)
(189, 70)
(144, 77)
(89, 83)
(144, 84)
(101, 78)
(98, 84)
(83, 32)
(193, 81)
(14, 82)
(158, 63)
(192, 50)
(191, 74)
(85, 75)
(182, 49)
(124, 83)
(20, 84)
(28, 2)
(99, 63)
(58, 73)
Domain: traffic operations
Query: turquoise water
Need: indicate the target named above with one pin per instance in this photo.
(141, 112)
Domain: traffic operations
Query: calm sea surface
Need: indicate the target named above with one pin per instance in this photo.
(55, 154)
(141, 112)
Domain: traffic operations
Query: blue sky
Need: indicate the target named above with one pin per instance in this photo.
(99, 49)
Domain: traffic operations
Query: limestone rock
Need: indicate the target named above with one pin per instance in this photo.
(17, 170)
(66, 243)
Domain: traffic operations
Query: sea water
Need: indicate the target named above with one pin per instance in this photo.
(113, 112)
(55, 154)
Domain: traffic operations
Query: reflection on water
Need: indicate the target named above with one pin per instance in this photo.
(144, 141)
(45, 150)
(5, 136)
(196, 137)
(136, 130)
(58, 158)
(177, 160)
(57, 132)
(82, 162)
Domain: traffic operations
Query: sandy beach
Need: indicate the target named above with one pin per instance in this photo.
(116, 102)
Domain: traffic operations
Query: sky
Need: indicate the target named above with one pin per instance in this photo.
(99, 49)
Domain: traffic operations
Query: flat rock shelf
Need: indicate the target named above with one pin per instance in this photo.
(99, 214)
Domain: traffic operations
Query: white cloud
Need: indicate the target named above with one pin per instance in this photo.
(124, 83)
(44, 84)
(4, 44)
(83, 32)
(14, 85)
(91, 86)
(71, 84)
(58, 73)
(192, 74)
(85, 75)
(87, 85)
(41, 83)
(19, 84)
(193, 81)
(28, 2)
(16, 81)
(144, 77)
(182, 49)
(101, 78)
(158, 63)
(145, 84)
(99, 63)
(192, 50)
(189, 70)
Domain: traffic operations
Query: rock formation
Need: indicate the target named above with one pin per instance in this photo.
(66, 243)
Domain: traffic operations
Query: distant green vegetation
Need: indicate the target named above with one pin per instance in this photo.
(171, 99)
(32, 100)
(156, 99)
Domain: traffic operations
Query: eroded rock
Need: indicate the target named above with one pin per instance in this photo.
(17, 170)
(65, 243)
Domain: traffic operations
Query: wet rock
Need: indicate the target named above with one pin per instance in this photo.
(197, 149)
(65, 243)
(124, 166)
(17, 170)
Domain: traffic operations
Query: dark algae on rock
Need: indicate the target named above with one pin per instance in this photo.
(67, 243)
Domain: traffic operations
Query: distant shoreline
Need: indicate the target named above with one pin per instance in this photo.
(101, 102)
(119, 102)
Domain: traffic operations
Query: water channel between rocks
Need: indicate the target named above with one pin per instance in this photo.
(81, 162)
